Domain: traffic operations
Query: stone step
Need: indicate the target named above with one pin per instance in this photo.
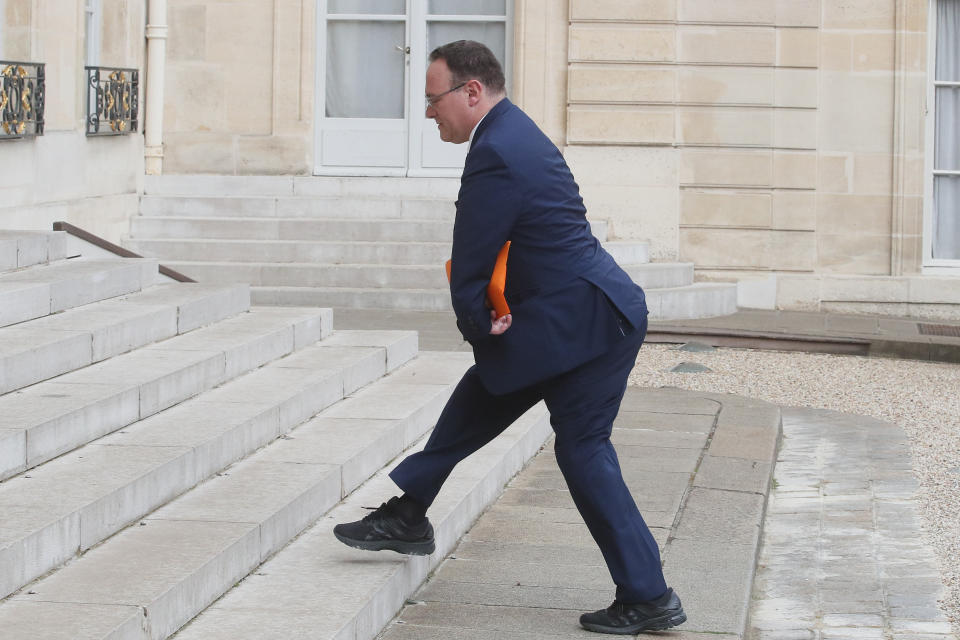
(56, 416)
(323, 252)
(44, 289)
(376, 276)
(186, 554)
(73, 502)
(283, 251)
(20, 249)
(698, 300)
(351, 207)
(409, 299)
(626, 252)
(300, 229)
(295, 274)
(292, 229)
(318, 588)
(313, 186)
(55, 344)
(659, 275)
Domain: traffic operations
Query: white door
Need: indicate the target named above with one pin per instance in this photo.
(372, 59)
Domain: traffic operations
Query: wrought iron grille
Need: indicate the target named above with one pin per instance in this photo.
(112, 101)
(21, 99)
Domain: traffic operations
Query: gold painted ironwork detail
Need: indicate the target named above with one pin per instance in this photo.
(21, 99)
(113, 101)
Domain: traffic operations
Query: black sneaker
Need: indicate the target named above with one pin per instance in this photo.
(628, 619)
(385, 529)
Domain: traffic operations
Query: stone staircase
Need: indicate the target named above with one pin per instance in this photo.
(363, 243)
(160, 442)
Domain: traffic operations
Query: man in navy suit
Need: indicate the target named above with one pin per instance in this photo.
(576, 324)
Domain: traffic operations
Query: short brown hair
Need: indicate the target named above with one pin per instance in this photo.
(468, 60)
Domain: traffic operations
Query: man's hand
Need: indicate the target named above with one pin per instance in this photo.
(499, 325)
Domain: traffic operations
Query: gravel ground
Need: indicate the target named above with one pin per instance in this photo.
(921, 397)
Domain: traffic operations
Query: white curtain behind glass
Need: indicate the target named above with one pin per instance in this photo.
(468, 7)
(492, 34)
(946, 189)
(365, 70)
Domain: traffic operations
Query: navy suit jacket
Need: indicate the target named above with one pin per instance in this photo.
(570, 301)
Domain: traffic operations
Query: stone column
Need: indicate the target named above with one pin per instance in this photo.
(156, 63)
(906, 252)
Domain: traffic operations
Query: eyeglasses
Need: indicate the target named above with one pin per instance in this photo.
(433, 100)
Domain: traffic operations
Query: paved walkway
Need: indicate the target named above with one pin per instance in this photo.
(842, 557)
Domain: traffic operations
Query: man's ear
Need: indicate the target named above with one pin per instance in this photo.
(475, 91)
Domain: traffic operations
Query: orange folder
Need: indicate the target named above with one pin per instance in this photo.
(498, 282)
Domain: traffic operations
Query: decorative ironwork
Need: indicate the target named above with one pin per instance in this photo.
(21, 99)
(112, 101)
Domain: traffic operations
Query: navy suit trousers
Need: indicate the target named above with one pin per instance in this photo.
(583, 404)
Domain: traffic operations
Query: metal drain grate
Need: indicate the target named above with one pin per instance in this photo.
(950, 330)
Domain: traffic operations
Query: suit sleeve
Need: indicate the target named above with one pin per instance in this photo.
(489, 204)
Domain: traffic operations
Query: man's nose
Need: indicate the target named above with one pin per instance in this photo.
(428, 111)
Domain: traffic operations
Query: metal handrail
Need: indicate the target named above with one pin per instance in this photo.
(106, 245)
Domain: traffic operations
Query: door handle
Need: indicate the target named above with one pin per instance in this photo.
(402, 49)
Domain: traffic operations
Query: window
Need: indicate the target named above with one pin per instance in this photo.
(944, 128)
(93, 14)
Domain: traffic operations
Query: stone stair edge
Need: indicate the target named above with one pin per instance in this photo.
(189, 184)
(282, 241)
(295, 220)
(157, 473)
(30, 247)
(313, 492)
(59, 428)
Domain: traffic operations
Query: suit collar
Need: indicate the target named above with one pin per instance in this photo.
(494, 113)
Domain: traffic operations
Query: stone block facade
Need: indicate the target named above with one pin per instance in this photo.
(793, 128)
(64, 175)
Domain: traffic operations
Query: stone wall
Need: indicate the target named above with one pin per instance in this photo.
(774, 139)
(239, 87)
(63, 175)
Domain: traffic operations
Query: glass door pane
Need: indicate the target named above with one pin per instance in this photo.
(492, 34)
(948, 41)
(365, 69)
(468, 7)
(946, 222)
(381, 7)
